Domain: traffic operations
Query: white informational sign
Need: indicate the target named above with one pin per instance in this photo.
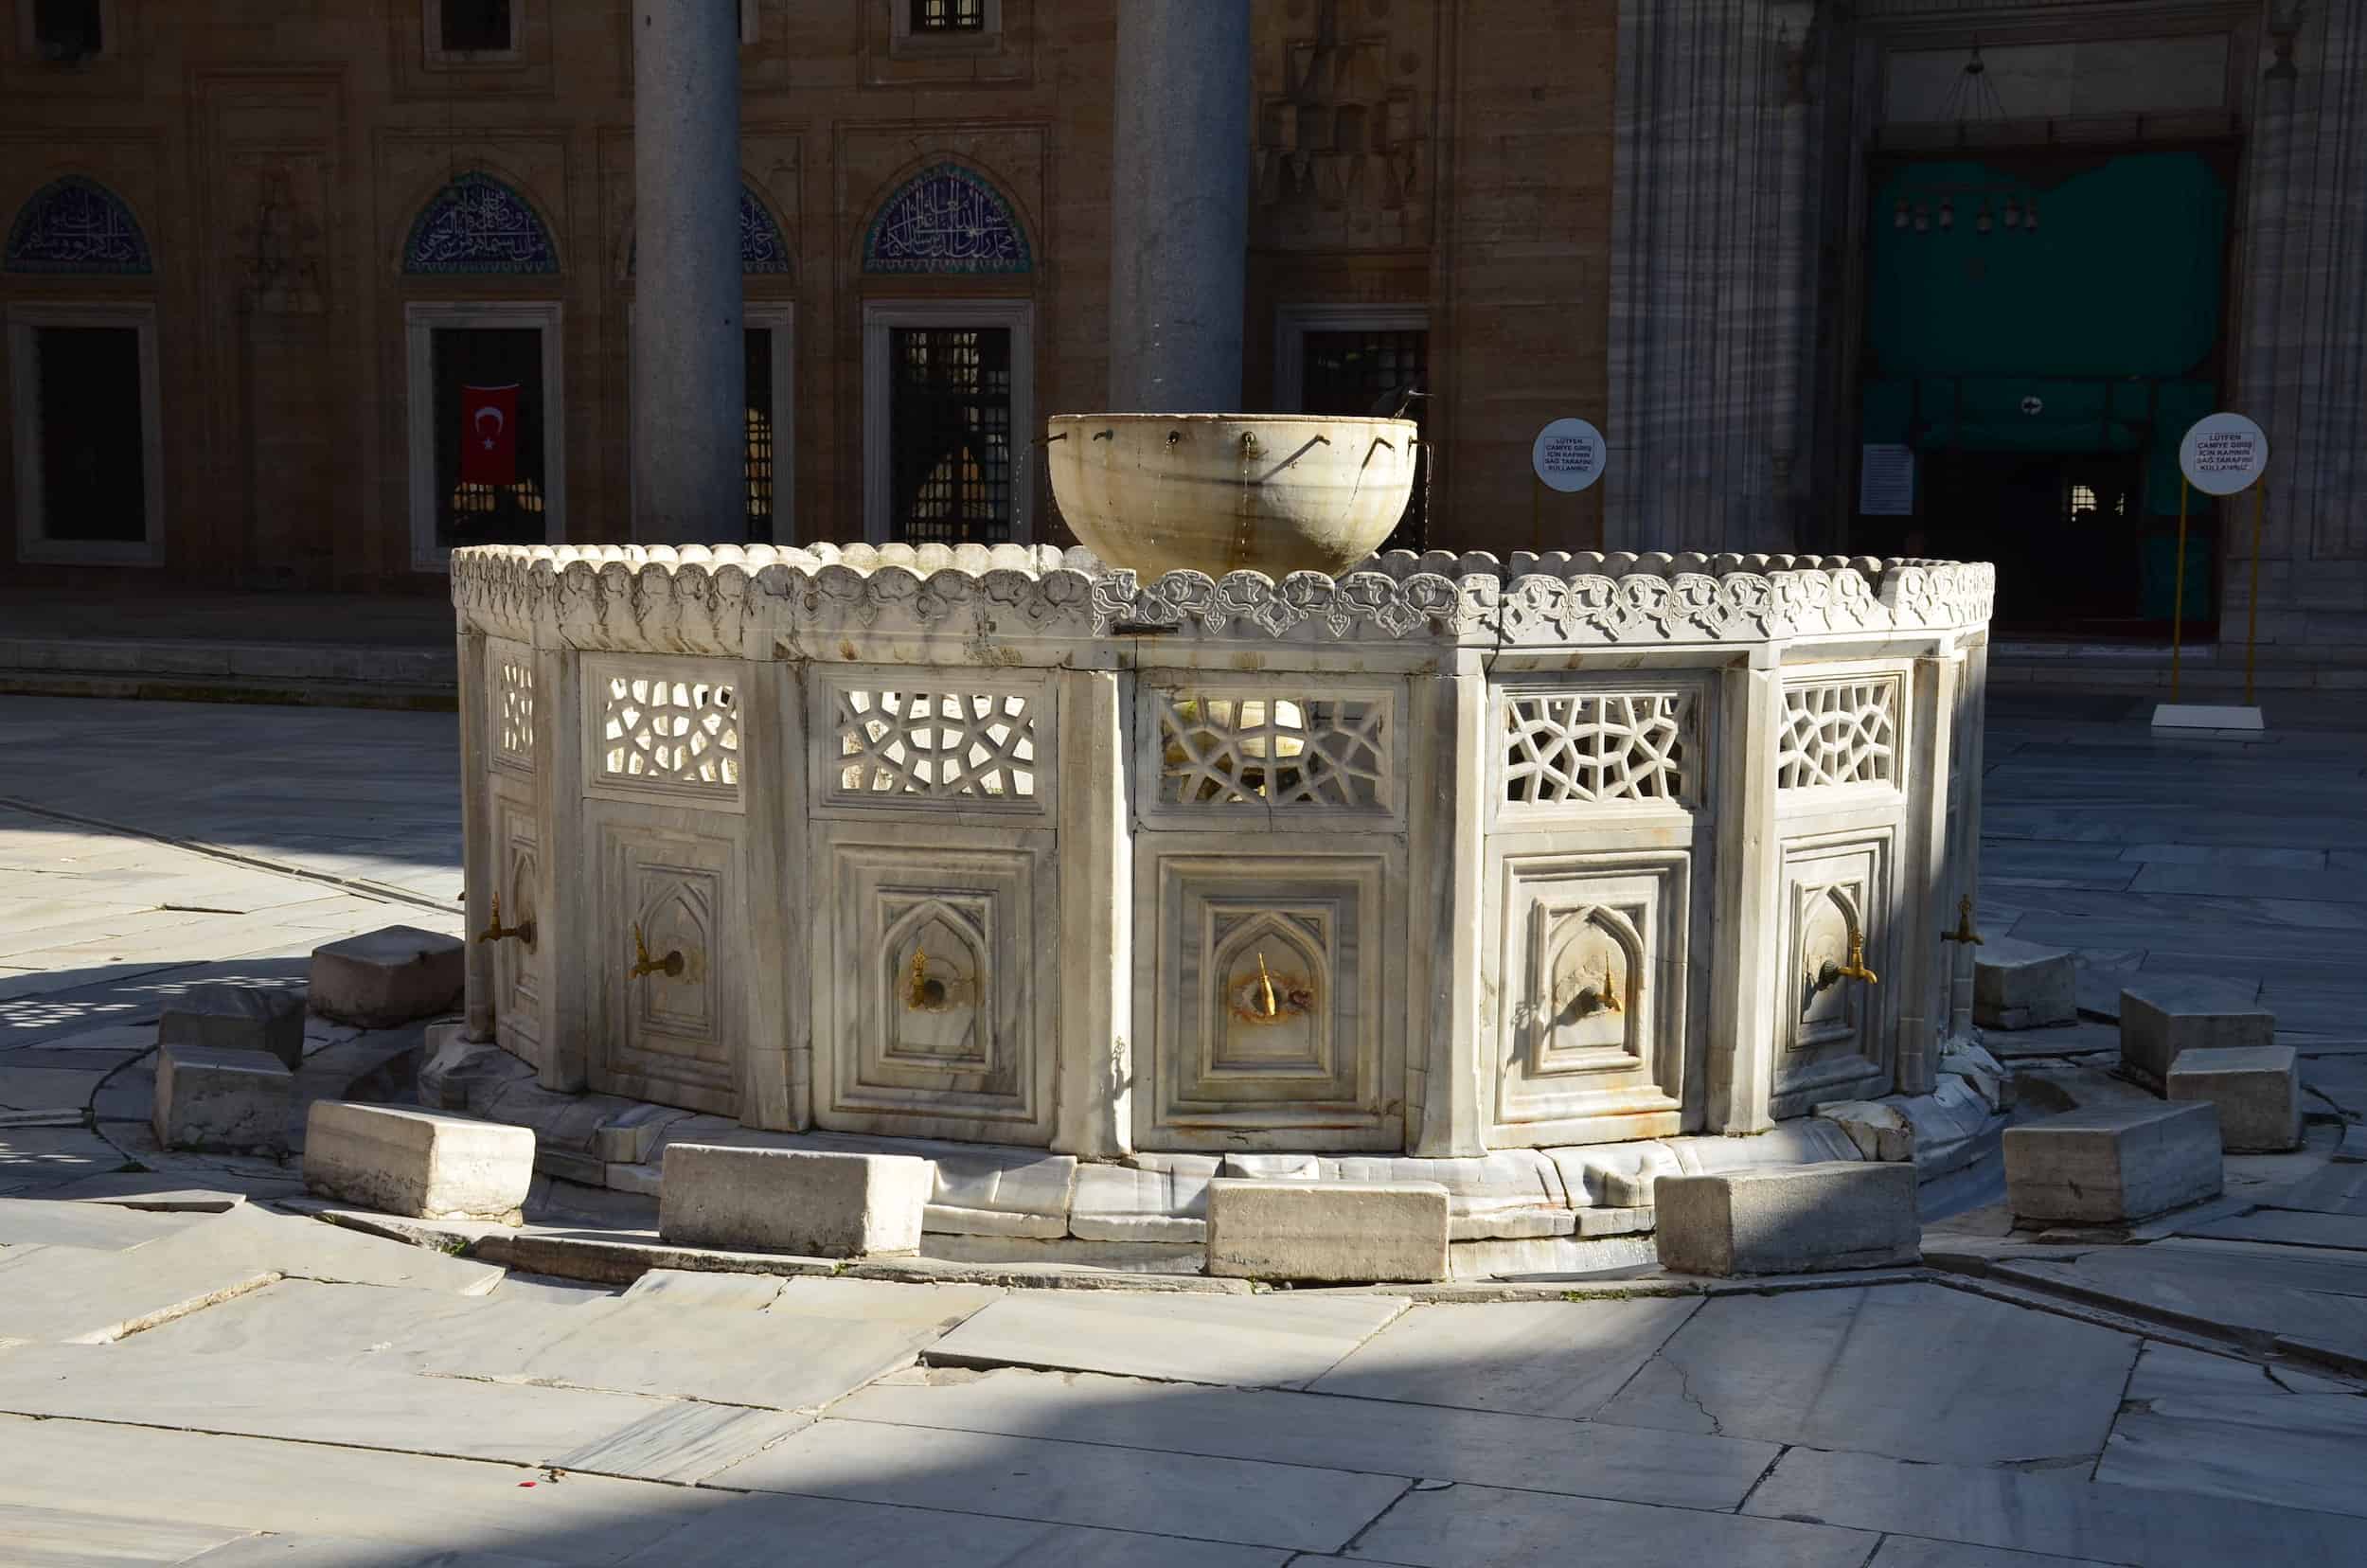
(1568, 454)
(1886, 481)
(2222, 453)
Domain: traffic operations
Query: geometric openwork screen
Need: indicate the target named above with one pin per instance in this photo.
(1588, 748)
(670, 731)
(1273, 751)
(942, 745)
(1842, 732)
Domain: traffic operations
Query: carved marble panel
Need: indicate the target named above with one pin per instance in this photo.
(1835, 952)
(509, 704)
(1567, 752)
(902, 740)
(938, 1020)
(1842, 732)
(1270, 1007)
(518, 964)
(672, 905)
(1591, 1019)
(1216, 751)
(662, 730)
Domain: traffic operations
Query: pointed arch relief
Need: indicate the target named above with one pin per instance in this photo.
(947, 219)
(75, 225)
(678, 916)
(1833, 916)
(478, 225)
(1589, 1011)
(1272, 973)
(934, 978)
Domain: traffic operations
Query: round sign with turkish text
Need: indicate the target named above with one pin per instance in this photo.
(1568, 454)
(2222, 453)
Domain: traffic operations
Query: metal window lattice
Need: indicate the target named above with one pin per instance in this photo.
(1843, 732)
(514, 713)
(1593, 748)
(670, 732)
(945, 745)
(1273, 751)
(944, 16)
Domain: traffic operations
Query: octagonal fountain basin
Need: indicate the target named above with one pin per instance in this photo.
(1227, 492)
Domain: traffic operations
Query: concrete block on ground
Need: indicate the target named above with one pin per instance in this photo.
(2258, 1091)
(238, 1018)
(2113, 1163)
(383, 978)
(1331, 1232)
(808, 1202)
(213, 1098)
(1798, 1220)
(2024, 986)
(2163, 1019)
(424, 1164)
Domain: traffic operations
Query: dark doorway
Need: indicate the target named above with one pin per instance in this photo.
(92, 452)
(950, 434)
(478, 513)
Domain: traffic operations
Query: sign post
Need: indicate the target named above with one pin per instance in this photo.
(2222, 455)
(1567, 457)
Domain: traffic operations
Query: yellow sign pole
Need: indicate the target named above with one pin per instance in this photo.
(2178, 605)
(2251, 617)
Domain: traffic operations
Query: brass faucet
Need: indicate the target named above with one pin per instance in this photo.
(1832, 973)
(923, 994)
(1963, 931)
(494, 931)
(669, 966)
(1600, 996)
(1268, 1005)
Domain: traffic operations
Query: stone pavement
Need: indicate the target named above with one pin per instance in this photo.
(194, 1369)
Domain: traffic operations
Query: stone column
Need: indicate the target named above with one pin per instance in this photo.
(480, 859)
(1179, 207)
(689, 374)
(1744, 932)
(1097, 899)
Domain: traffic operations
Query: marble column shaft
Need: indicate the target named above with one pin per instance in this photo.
(690, 370)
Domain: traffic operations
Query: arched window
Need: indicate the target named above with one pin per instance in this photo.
(946, 219)
(478, 224)
(77, 226)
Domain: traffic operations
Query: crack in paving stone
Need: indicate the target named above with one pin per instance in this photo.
(1356, 1541)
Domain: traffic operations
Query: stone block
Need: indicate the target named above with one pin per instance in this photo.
(383, 978)
(808, 1202)
(1155, 1203)
(1795, 1219)
(1981, 1072)
(238, 1018)
(210, 1097)
(1613, 1175)
(2162, 1019)
(2258, 1091)
(1329, 1232)
(2024, 986)
(424, 1164)
(2113, 1163)
(1881, 1132)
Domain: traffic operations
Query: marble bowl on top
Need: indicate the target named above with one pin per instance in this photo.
(1275, 493)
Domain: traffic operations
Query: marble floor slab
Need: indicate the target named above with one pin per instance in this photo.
(37, 1536)
(1278, 1426)
(280, 1551)
(2299, 1450)
(2291, 1227)
(1455, 1527)
(99, 1226)
(75, 1295)
(1911, 1371)
(1900, 1551)
(1303, 1508)
(829, 1532)
(2067, 1516)
(1534, 1358)
(35, 1159)
(1255, 1340)
(2170, 1371)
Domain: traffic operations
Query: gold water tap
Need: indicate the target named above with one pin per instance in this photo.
(1603, 995)
(494, 931)
(1832, 973)
(1268, 1005)
(1963, 931)
(923, 993)
(669, 966)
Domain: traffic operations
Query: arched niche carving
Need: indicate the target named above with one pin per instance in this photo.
(1272, 981)
(1591, 983)
(947, 219)
(476, 225)
(75, 225)
(933, 977)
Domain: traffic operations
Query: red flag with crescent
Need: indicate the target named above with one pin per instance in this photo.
(488, 435)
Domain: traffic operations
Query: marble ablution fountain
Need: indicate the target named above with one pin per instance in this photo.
(1428, 856)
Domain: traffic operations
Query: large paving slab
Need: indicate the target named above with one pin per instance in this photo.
(2063, 1515)
(1531, 1358)
(1219, 1339)
(1284, 1428)
(2220, 1299)
(2340, 1188)
(104, 1227)
(1911, 1371)
(2290, 1227)
(141, 1472)
(2299, 1450)
(82, 1295)
(1455, 1527)
(280, 1551)
(309, 1249)
(36, 1536)
(1229, 1500)
(34, 1159)
(1909, 1552)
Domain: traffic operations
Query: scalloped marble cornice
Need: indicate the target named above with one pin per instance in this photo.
(697, 599)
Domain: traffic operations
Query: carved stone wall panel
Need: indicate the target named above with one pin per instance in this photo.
(1833, 1027)
(936, 742)
(1565, 751)
(518, 965)
(940, 1010)
(673, 1034)
(1341, 128)
(1297, 751)
(662, 730)
(1594, 1023)
(1842, 732)
(1268, 1008)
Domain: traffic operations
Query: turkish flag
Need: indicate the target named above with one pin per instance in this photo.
(488, 435)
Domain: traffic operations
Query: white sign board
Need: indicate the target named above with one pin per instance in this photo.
(1886, 481)
(2222, 453)
(1568, 454)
